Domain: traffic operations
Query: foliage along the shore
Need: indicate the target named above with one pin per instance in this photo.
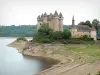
(47, 35)
(22, 39)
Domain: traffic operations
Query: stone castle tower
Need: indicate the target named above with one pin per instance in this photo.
(55, 21)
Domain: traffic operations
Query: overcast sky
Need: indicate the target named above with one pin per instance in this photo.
(19, 12)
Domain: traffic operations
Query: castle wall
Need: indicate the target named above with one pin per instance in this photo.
(45, 20)
(76, 34)
(93, 35)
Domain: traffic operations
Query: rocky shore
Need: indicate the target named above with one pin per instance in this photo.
(68, 65)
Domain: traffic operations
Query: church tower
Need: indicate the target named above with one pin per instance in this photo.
(73, 21)
(61, 22)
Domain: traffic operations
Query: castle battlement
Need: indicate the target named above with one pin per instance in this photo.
(55, 20)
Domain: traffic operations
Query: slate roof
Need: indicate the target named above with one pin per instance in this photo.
(50, 16)
(81, 28)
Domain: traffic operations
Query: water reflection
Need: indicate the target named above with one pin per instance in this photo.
(13, 63)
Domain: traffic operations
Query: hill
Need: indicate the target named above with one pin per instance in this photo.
(19, 31)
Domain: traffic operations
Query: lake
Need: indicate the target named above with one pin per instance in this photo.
(14, 63)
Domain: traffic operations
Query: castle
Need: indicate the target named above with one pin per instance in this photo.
(78, 31)
(55, 21)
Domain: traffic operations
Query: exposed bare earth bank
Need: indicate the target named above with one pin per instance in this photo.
(71, 62)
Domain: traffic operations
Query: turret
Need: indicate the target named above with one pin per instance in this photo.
(38, 18)
(60, 22)
(56, 21)
(45, 17)
(56, 14)
(61, 16)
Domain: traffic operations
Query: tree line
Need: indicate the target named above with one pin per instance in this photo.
(19, 31)
(95, 23)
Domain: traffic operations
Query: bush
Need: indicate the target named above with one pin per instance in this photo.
(45, 40)
(47, 35)
(57, 35)
(98, 73)
(86, 38)
(21, 38)
(75, 41)
(66, 34)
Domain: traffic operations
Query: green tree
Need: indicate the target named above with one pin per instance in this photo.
(96, 23)
(45, 29)
(44, 34)
(81, 23)
(98, 73)
(66, 34)
(57, 35)
(88, 23)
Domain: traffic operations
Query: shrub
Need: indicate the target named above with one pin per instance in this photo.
(66, 34)
(57, 35)
(98, 73)
(47, 35)
(21, 38)
(86, 38)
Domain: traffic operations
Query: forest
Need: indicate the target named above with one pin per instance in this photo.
(23, 30)
(19, 31)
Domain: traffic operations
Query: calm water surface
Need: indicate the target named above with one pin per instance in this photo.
(13, 63)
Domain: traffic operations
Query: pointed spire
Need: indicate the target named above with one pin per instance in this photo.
(50, 13)
(45, 14)
(60, 15)
(73, 18)
(73, 21)
(55, 14)
(38, 17)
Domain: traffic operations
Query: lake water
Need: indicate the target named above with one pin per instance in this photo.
(14, 63)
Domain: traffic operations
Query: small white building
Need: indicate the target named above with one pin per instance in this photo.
(93, 33)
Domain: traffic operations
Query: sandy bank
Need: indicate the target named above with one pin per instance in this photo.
(67, 65)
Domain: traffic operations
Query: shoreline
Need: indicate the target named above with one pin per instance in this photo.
(66, 63)
(61, 60)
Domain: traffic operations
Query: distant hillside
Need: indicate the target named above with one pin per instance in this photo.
(19, 31)
(23, 31)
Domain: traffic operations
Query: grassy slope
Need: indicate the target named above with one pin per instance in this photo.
(88, 52)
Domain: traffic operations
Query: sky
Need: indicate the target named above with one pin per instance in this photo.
(24, 12)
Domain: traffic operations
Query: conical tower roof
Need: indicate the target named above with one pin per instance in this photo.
(55, 14)
(45, 14)
(38, 17)
(60, 15)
